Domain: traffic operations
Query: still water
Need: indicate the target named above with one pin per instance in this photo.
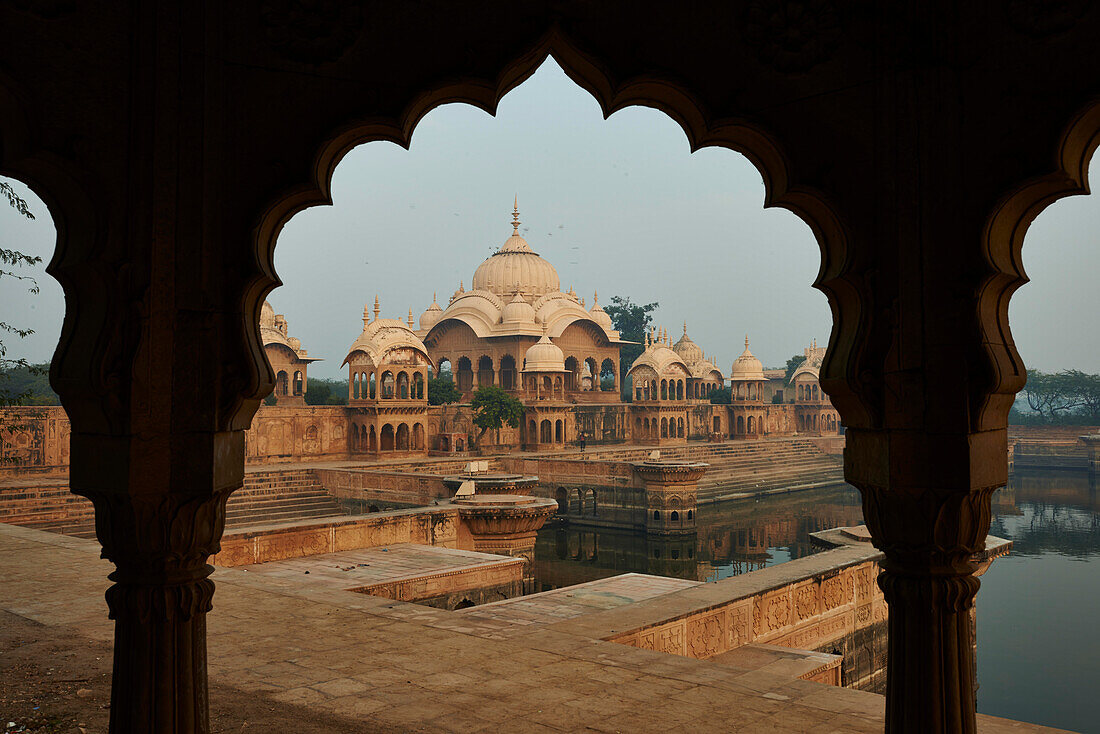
(1038, 609)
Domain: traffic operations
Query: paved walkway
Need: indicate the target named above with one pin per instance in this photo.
(573, 601)
(404, 667)
(383, 565)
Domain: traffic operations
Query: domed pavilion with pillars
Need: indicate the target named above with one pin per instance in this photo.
(547, 418)
(515, 299)
(747, 381)
(814, 411)
(388, 372)
(660, 381)
(705, 376)
(288, 360)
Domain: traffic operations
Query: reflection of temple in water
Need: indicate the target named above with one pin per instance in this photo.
(731, 538)
(1049, 512)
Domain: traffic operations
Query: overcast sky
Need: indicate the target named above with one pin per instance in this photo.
(619, 206)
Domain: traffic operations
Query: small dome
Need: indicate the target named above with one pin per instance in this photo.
(688, 350)
(431, 315)
(599, 315)
(545, 356)
(518, 311)
(383, 338)
(747, 367)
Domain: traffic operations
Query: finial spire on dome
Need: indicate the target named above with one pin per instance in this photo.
(515, 216)
(746, 341)
(377, 306)
(411, 319)
(685, 327)
(595, 298)
(366, 315)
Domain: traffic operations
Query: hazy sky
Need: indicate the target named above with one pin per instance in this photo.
(618, 206)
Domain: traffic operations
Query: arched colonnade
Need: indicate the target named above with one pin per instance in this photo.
(918, 179)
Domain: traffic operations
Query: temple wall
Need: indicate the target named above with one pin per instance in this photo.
(281, 433)
(810, 610)
(39, 443)
(356, 487)
(424, 526)
(322, 433)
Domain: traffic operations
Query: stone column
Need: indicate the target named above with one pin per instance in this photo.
(159, 601)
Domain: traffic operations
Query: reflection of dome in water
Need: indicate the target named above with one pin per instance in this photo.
(515, 267)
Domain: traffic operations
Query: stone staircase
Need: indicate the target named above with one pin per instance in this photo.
(267, 497)
(743, 468)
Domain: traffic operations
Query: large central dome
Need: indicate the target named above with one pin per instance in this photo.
(515, 267)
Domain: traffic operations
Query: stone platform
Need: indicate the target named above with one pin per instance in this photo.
(314, 652)
(573, 601)
(439, 577)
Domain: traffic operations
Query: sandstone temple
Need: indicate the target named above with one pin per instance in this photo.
(514, 328)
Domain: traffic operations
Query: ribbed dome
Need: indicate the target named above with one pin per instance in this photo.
(383, 336)
(516, 267)
(747, 367)
(688, 350)
(518, 311)
(431, 315)
(545, 356)
(599, 315)
(267, 315)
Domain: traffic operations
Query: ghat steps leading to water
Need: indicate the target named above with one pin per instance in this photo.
(266, 497)
(744, 468)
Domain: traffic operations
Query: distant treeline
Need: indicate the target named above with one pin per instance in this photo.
(1065, 398)
(27, 385)
(322, 391)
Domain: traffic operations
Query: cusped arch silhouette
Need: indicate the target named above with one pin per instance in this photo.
(665, 95)
(1002, 245)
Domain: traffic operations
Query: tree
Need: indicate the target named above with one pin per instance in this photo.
(442, 391)
(632, 321)
(721, 396)
(793, 364)
(1087, 389)
(15, 395)
(493, 408)
(1046, 394)
(322, 391)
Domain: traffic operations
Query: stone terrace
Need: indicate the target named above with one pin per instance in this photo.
(406, 667)
(741, 469)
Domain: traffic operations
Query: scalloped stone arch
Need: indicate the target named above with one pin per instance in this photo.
(1002, 245)
(666, 95)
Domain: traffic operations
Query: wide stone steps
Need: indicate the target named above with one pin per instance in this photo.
(266, 497)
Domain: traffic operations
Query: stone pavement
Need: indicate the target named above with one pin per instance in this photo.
(406, 667)
(383, 565)
(573, 601)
